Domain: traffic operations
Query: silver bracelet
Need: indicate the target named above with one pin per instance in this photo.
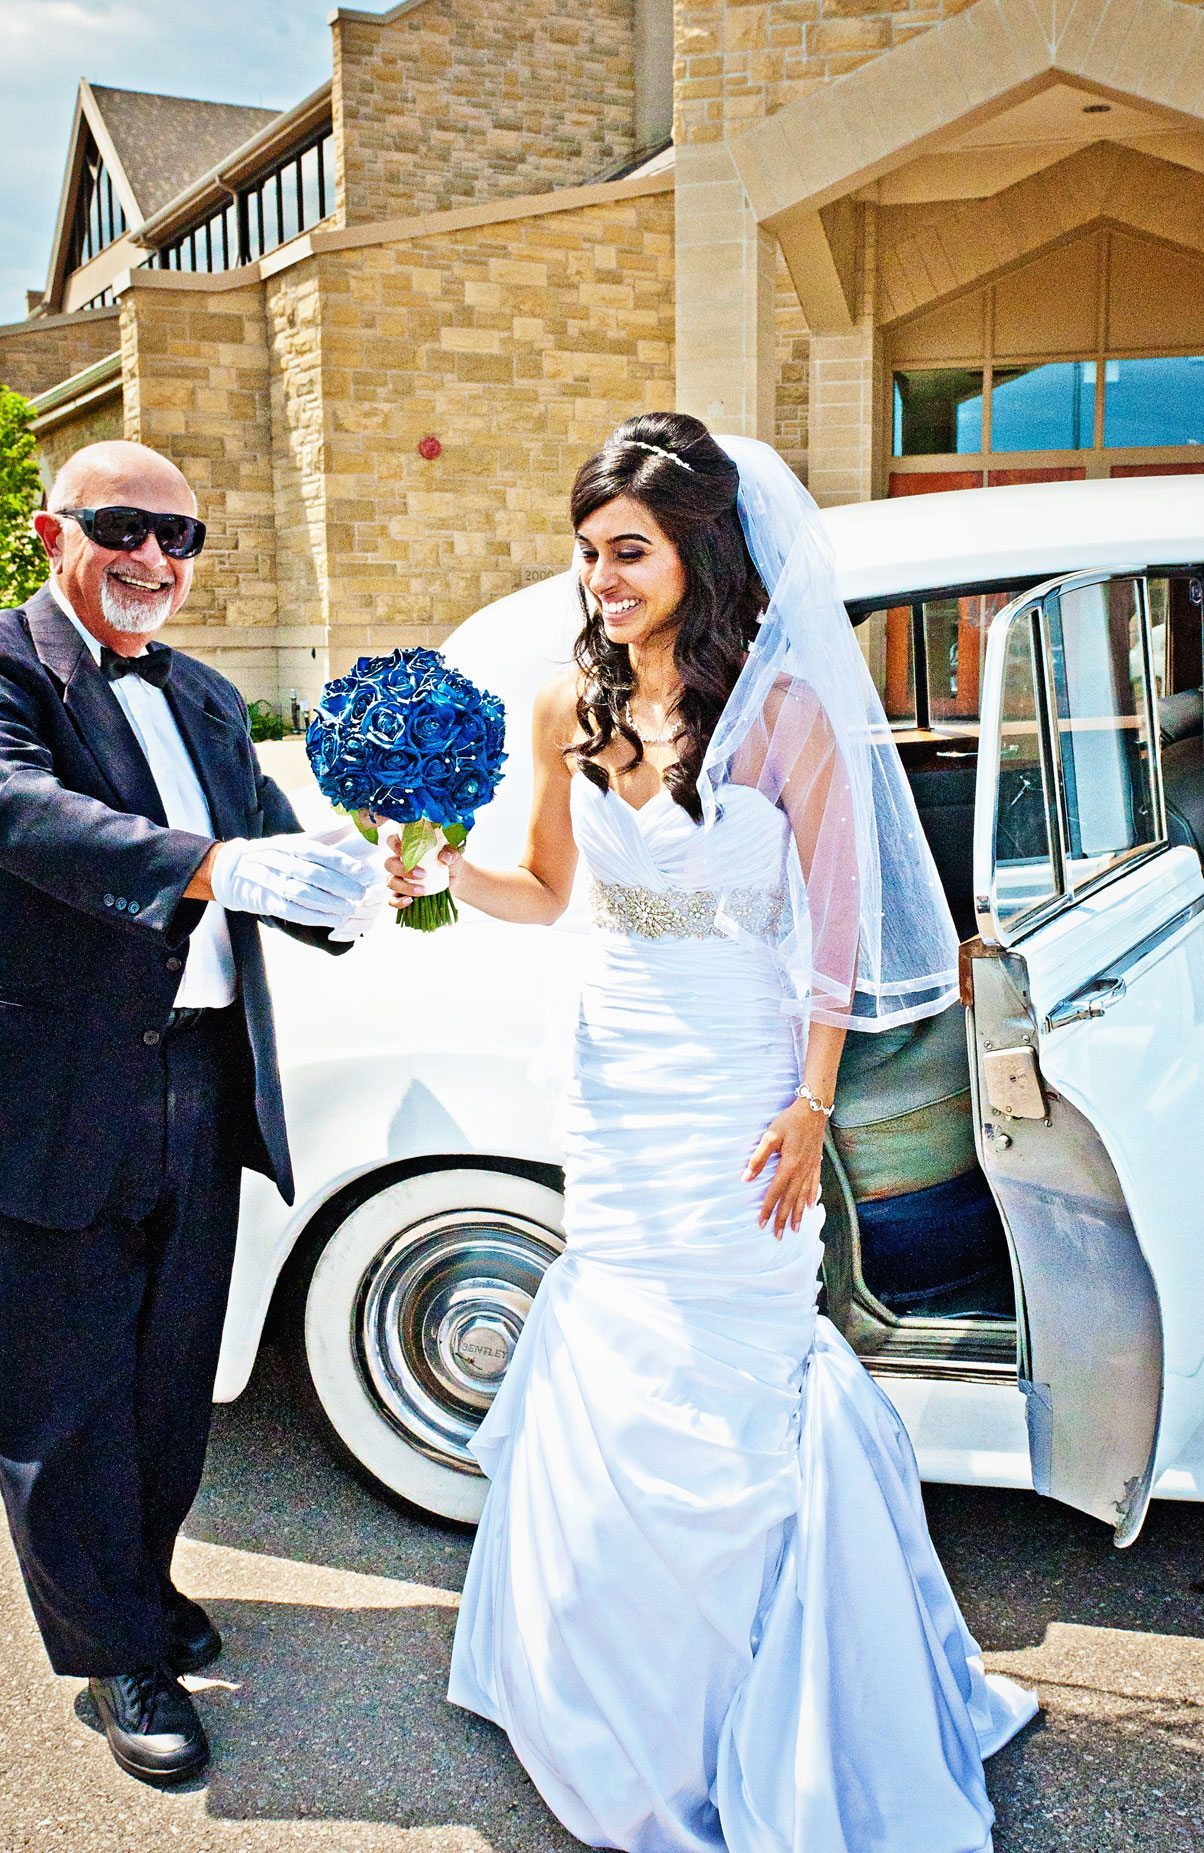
(803, 1092)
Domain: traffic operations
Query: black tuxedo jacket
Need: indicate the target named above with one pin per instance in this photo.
(93, 925)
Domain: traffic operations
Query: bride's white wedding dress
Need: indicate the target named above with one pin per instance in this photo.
(703, 1601)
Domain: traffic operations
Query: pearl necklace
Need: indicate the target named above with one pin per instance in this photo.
(647, 739)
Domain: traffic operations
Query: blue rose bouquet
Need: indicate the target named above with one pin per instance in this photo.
(407, 737)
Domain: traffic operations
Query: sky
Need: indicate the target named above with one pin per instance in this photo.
(266, 52)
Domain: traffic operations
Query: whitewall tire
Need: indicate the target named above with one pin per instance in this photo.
(410, 1316)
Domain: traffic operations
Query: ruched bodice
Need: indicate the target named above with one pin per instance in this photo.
(660, 846)
(703, 1601)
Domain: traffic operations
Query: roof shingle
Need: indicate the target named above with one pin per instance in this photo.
(164, 143)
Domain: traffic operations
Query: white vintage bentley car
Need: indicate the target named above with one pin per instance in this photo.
(1015, 1189)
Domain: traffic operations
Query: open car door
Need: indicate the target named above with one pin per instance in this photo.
(1085, 995)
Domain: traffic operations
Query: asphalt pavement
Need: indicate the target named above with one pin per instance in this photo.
(330, 1728)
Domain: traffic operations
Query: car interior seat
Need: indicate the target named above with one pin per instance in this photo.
(944, 795)
(1181, 730)
(931, 1240)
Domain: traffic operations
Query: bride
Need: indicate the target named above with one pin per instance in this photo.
(702, 1600)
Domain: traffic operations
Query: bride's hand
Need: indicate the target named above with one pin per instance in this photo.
(797, 1136)
(405, 888)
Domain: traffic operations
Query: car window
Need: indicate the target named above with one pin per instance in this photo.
(885, 634)
(942, 689)
(1026, 874)
(1103, 717)
(955, 635)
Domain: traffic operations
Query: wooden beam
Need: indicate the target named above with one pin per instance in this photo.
(823, 291)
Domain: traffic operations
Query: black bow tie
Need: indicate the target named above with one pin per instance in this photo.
(154, 667)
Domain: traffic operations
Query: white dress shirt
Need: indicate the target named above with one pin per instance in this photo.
(209, 980)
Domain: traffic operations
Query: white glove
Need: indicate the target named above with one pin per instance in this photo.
(365, 917)
(297, 878)
(371, 858)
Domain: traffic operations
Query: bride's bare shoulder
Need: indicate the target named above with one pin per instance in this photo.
(556, 705)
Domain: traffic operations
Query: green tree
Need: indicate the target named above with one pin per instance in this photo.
(22, 560)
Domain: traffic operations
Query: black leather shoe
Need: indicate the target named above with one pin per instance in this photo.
(193, 1641)
(152, 1725)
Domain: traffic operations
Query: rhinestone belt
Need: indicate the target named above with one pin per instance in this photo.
(680, 914)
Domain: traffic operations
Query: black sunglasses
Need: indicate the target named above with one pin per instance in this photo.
(123, 530)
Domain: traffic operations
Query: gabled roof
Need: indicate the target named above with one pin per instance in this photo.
(164, 143)
(154, 148)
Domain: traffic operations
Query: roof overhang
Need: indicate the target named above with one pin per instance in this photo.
(86, 121)
(275, 139)
(90, 387)
(798, 165)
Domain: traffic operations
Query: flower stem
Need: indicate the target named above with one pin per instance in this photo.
(428, 911)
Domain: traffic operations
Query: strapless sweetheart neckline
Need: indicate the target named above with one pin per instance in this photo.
(727, 792)
(637, 810)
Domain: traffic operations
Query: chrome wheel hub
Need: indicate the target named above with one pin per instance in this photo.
(438, 1315)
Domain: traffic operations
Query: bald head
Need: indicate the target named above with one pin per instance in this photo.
(118, 471)
(122, 595)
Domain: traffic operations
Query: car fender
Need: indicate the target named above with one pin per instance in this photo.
(351, 1116)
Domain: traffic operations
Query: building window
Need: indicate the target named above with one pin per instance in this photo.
(1158, 401)
(1048, 407)
(1149, 402)
(287, 200)
(938, 410)
(99, 216)
(1073, 365)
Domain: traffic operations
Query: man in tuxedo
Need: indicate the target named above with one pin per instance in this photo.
(140, 844)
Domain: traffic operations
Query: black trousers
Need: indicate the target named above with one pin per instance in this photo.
(109, 1340)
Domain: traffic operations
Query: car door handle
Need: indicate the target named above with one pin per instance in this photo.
(1091, 1001)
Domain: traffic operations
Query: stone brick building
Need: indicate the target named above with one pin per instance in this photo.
(916, 243)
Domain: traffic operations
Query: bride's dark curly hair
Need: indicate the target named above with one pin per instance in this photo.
(718, 615)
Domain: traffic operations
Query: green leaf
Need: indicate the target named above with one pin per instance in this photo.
(416, 839)
(368, 831)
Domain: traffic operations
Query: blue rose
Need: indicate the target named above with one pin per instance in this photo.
(469, 736)
(397, 766)
(322, 745)
(468, 791)
(384, 724)
(336, 695)
(361, 704)
(438, 769)
(434, 722)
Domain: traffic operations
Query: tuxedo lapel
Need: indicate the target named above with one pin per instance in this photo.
(213, 746)
(93, 709)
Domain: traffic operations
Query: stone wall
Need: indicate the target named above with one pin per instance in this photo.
(737, 64)
(740, 60)
(91, 425)
(293, 310)
(36, 355)
(519, 345)
(792, 344)
(460, 101)
(196, 386)
(296, 404)
(846, 393)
